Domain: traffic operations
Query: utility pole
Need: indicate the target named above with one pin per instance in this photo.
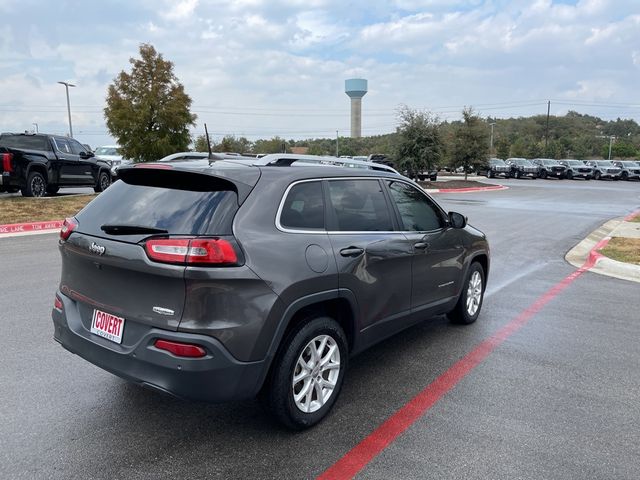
(491, 141)
(546, 135)
(611, 137)
(36, 125)
(66, 86)
(336, 143)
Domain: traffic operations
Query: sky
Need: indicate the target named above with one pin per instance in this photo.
(261, 68)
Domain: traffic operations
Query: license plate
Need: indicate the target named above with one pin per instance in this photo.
(107, 326)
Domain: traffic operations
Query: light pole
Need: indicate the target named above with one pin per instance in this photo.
(491, 141)
(36, 125)
(66, 86)
(336, 143)
(610, 144)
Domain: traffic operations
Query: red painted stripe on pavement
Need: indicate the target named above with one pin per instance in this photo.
(360, 455)
(31, 226)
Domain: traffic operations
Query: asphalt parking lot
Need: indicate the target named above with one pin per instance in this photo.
(559, 398)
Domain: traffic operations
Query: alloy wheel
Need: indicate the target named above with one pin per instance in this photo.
(316, 373)
(474, 293)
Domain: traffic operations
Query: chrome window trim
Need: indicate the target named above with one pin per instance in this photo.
(324, 231)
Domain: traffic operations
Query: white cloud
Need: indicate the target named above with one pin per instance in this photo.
(181, 10)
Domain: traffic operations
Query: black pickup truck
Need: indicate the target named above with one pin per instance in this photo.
(39, 164)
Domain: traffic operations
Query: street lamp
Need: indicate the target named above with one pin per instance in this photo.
(36, 125)
(66, 86)
(336, 143)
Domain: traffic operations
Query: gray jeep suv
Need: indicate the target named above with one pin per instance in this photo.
(226, 281)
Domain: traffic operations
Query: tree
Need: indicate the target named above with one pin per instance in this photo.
(502, 148)
(148, 110)
(275, 145)
(419, 142)
(471, 148)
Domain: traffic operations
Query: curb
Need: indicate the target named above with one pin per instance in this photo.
(588, 250)
(17, 229)
(466, 190)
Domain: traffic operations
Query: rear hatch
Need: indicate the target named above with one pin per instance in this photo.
(109, 261)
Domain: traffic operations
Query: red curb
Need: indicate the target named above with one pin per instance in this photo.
(631, 216)
(377, 441)
(31, 226)
(469, 189)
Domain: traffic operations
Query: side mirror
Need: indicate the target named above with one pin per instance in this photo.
(85, 155)
(457, 220)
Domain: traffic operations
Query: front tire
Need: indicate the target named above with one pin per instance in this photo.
(596, 176)
(543, 174)
(307, 373)
(104, 180)
(36, 185)
(469, 304)
(569, 175)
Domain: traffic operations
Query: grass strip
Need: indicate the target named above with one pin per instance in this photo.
(22, 210)
(623, 250)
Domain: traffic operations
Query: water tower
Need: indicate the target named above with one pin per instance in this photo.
(356, 88)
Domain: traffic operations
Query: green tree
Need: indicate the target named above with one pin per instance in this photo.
(274, 145)
(419, 143)
(502, 148)
(148, 110)
(471, 148)
(200, 144)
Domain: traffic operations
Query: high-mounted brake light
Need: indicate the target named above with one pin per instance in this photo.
(191, 251)
(181, 349)
(7, 164)
(68, 226)
(153, 165)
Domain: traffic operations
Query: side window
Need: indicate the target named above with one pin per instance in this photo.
(62, 144)
(76, 147)
(417, 212)
(304, 207)
(359, 206)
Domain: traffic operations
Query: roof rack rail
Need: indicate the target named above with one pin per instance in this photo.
(288, 159)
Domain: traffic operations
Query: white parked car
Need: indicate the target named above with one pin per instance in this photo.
(112, 154)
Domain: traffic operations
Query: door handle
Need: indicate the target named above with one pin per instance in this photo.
(351, 251)
(421, 245)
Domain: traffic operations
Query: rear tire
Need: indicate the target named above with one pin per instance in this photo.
(104, 180)
(569, 175)
(469, 304)
(596, 176)
(543, 174)
(625, 176)
(316, 352)
(36, 185)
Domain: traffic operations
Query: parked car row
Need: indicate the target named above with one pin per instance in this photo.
(569, 169)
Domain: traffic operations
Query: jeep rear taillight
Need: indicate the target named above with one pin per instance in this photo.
(7, 162)
(68, 226)
(191, 251)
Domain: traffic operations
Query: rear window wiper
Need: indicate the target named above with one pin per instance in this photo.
(130, 229)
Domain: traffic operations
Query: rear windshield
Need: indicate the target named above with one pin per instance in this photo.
(179, 211)
(27, 142)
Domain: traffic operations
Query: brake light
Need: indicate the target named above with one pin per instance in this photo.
(154, 166)
(57, 304)
(68, 226)
(181, 349)
(191, 251)
(7, 164)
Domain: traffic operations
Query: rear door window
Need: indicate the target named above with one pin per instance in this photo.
(359, 206)
(62, 145)
(304, 207)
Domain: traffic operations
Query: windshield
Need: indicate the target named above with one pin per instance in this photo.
(605, 163)
(496, 161)
(629, 164)
(550, 162)
(574, 162)
(523, 163)
(107, 151)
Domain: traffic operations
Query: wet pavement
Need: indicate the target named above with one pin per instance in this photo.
(560, 398)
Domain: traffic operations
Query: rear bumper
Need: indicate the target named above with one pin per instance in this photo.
(216, 377)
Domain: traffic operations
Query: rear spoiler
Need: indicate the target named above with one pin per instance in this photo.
(167, 176)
